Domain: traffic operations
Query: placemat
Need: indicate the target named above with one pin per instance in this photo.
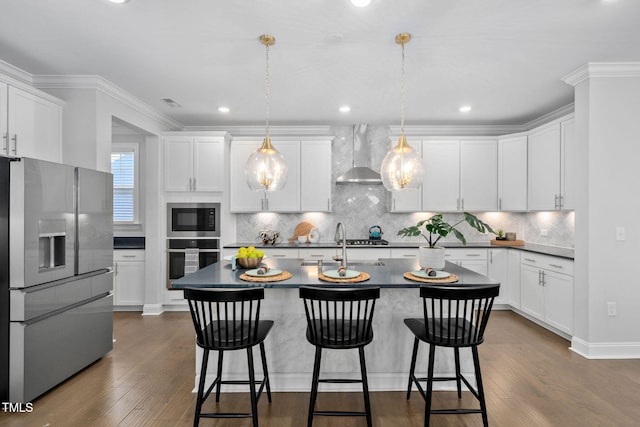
(282, 276)
(451, 279)
(359, 278)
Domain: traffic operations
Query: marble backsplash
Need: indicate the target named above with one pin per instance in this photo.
(359, 207)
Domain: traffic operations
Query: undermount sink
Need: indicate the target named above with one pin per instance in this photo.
(364, 263)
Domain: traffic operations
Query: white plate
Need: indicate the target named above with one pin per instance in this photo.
(439, 274)
(254, 273)
(350, 274)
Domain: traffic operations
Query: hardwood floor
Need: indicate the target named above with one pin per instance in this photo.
(531, 378)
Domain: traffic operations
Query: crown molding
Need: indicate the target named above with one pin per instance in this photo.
(259, 131)
(602, 69)
(456, 130)
(15, 73)
(560, 113)
(101, 84)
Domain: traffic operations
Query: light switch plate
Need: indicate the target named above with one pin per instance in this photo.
(620, 234)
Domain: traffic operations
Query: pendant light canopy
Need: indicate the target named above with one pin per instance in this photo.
(402, 166)
(266, 169)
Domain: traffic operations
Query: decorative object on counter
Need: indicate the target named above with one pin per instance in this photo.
(283, 275)
(266, 168)
(436, 228)
(375, 232)
(362, 277)
(302, 229)
(402, 166)
(314, 235)
(412, 275)
(249, 257)
(268, 237)
(507, 242)
(430, 272)
(510, 235)
(500, 235)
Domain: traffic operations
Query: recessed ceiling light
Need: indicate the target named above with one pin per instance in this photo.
(361, 3)
(465, 109)
(119, 1)
(224, 109)
(345, 109)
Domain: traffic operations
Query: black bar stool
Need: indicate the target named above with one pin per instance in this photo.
(229, 320)
(339, 318)
(454, 316)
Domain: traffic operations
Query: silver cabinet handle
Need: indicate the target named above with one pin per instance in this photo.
(394, 204)
(194, 184)
(15, 143)
(499, 203)
(491, 257)
(266, 199)
(278, 255)
(529, 259)
(539, 277)
(410, 255)
(116, 268)
(262, 204)
(560, 201)
(462, 204)
(543, 282)
(190, 186)
(473, 254)
(128, 256)
(329, 204)
(6, 142)
(316, 255)
(556, 266)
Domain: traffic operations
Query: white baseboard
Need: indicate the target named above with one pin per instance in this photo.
(606, 350)
(152, 309)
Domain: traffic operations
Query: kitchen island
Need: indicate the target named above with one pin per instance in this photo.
(290, 356)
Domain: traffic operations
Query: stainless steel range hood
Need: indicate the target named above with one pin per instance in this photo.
(360, 173)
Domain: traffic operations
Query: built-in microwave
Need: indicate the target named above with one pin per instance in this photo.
(193, 219)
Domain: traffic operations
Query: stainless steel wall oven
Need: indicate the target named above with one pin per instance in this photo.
(185, 256)
(193, 220)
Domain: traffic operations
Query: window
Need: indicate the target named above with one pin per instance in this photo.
(124, 167)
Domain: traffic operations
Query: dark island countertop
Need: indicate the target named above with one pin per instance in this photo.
(387, 275)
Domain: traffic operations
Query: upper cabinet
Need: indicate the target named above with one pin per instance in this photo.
(512, 174)
(441, 183)
(30, 124)
(550, 165)
(315, 176)
(478, 175)
(194, 162)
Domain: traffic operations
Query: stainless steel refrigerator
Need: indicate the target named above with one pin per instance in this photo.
(56, 254)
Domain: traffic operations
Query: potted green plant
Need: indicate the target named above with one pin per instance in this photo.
(500, 235)
(435, 228)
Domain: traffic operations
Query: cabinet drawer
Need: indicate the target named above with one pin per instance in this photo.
(281, 253)
(404, 253)
(311, 254)
(364, 254)
(559, 265)
(465, 254)
(128, 255)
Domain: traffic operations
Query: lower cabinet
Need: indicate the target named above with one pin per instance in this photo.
(546, 285)
(513, 278)
(498, 269)
(128, 278)
(473, 259)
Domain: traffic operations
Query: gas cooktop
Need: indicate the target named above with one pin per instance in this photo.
(366, 242)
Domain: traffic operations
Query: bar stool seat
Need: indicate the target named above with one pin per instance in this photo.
(339, 318)
(226, 320)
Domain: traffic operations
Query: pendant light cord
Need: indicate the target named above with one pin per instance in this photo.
(267, 90)
(402, 94)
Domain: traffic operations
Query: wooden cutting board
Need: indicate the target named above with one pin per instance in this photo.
(507, 242)
(302, 229)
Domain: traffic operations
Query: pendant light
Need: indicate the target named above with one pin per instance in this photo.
(266, 169)
(402, 166)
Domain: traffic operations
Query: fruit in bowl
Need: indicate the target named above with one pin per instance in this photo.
(249, 257)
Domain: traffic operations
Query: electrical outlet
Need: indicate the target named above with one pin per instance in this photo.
(620, 234)
(611, 308)
(543, 232)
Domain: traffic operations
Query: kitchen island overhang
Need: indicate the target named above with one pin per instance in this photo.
(289, 355)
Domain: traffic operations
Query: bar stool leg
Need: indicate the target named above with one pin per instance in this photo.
(267, 384)
(314, 385)
(252, 387)
(429, 394)
(456, 353)
(199, 398)
(219, 375)
(483, 405)
(365, 386)
(413, 367)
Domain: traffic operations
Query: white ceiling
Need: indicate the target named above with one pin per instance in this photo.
(505, 58)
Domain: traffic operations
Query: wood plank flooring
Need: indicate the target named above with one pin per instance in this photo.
(531, 378)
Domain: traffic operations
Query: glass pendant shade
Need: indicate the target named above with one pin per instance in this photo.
(266, 169)
(402, 167)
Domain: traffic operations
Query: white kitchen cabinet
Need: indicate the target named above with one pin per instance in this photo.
(128, 278)
(498, 269)
(478, 175)
(473, 259)
(568, 147)
(243, 199)
(512, 174)
(315, 176)
(405, 253)
(547, 290)
(280, 253)
(441, 184)
(315, 254)
(194, 163)
(408, 199)
(30, 124)
(543, 190)
(513, 280)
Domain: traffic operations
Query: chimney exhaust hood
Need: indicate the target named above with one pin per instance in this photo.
(360, 173)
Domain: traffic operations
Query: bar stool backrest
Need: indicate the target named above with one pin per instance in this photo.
(225, 319)
(456, 316)
(339, 317)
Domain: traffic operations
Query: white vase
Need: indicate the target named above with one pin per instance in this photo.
(431, 257)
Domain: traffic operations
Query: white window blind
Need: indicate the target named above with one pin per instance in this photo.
(123, 168)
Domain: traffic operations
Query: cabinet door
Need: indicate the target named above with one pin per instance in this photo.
(287, 199)
(478, 175)
(178, 161)
(514, 278)
(34, 126)
(498, 269)
(558, 300)
(512, 174)
(128, 280)
(568, 169)
(242, 198)
(441, 185)
(478, 266)
(4, 148)
(315, 176)
(208, 164)
(544, 169)
(531, 292)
